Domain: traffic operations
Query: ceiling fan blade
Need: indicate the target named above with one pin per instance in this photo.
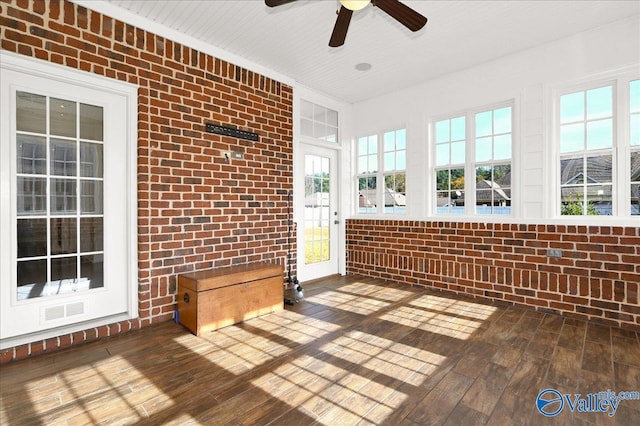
(274, 3)
(402, 13)
(339, 33)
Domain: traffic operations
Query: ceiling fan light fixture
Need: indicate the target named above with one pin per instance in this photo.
(354, 4)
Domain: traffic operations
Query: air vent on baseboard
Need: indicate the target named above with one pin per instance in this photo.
(58, 312)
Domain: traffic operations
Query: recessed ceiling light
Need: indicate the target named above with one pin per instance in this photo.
(363, 66)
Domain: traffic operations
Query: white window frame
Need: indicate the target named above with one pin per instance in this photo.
(127, 93)
(620, 150)
(380, 173)
(471, 163)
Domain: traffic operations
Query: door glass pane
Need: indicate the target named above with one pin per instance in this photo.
(63, 196)
(62, 117)
(32, 277)
(63, 235)
(59, 197)
(31, 195)
(317, 209)
(91, 160)
(90, 122)
(91, 271)
(32, 155)
(31, 112)
(32, 237)
(63, 158)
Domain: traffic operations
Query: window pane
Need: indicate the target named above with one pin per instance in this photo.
(32, 276)
(319, 130)
(362, 146)
(599, 200)
(362, 165)
(599, 103)
(457, 153)
(401, 139)
(442, 131)
(634, 95)
(64, 235)
(373, 163)
(458, 129)
(600, 134)
(367, 194)
(332, 134)
(572, 137)
(32, 237)
(635, 199)
(91, 196)
(401, 160)
(31, 195)
(91, 122)
(91, 270)
(63, 158)
(442, 154)
(91, 234)
(635, 166)
(91, 160)
(572, 107)
(332, 118)
(63, 269)
(389, 161)
(484, 149)
(62, 117)
(599, 169)
(63, 196)
(634, 130)
(502, 120)
(457, 179)
(306, 109)
(306, 127)
(394, 193)
(502, 147)
(635, 183)
(32, 155)
(373, 144)
(483, 124)
(572, 171)
(442, 180)
(572, 200)
(31, 113)
(389, 141)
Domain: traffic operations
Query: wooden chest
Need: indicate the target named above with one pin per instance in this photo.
(215, 298)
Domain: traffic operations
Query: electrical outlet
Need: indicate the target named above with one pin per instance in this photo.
(554, 253)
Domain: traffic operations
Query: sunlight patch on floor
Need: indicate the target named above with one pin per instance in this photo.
(325, 391)
(357, 304)
(444, 324)
(399, 361)
(389, 294)
(454, 307)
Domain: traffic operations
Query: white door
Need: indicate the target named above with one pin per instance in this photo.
(318, 217)
(65, 214)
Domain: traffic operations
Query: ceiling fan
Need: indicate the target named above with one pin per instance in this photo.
(400, 12)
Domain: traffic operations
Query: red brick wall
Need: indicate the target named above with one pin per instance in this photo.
(597, 278)
(195, 211)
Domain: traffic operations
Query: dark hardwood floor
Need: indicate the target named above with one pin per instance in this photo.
(355, 351)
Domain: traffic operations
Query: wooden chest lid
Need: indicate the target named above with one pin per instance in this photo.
(230, 275)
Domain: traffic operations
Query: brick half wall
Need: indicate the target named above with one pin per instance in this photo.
(596, 279)
(196, 210)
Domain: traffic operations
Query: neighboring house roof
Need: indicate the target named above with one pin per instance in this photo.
(368, 197)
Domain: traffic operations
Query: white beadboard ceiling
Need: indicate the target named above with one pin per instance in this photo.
(292, 40)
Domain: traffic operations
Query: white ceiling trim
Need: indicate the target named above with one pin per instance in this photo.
(124, 15)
